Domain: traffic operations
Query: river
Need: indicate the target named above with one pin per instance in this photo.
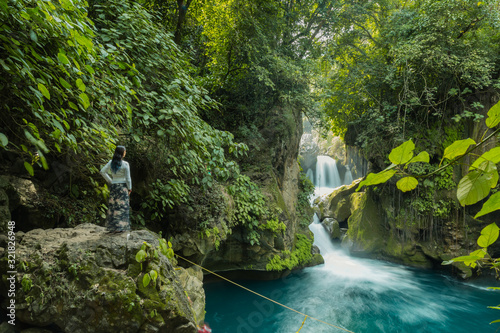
(354, 294)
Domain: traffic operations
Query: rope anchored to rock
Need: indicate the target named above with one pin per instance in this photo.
(267, 298)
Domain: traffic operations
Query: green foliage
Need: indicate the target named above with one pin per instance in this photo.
(78, 80)
(273, 225)
(149, 254)
(254, 58)
(162, 105)
(480, 257)
(163, 196)
(396, 69)
(428, 200)
(46, 49)
(250, 206)
(457, 148)
(26, 283)
(303, 208)
(289, 260)
(212, 233)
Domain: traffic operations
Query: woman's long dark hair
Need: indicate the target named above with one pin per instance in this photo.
(116, 162)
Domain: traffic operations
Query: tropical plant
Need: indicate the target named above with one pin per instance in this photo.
(47, 60)
(149, 254)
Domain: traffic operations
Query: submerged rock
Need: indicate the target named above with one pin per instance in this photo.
(84, 280)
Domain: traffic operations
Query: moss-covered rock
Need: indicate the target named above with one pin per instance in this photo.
(333, 227)
(366, 231)
(338, 204)
(84, 280)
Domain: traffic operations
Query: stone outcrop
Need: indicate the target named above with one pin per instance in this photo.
(84, 280)
(20, 201)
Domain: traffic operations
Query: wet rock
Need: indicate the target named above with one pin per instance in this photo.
(333, 227)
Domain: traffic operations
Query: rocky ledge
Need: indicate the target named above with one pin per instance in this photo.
(84, 280)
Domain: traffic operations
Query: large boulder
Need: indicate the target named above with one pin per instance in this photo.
(21, 200)
(338, 204)
(84, 280)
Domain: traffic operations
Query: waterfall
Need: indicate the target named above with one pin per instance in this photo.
(321, 237)
(327, 175)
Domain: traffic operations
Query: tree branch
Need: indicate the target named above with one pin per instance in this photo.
(470, 26)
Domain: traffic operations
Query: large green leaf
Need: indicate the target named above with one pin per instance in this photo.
(458, 148)
(492, 155)
(62, 58)
(153, 274)
(376, 178)
(64, 83)
(29, 168)
(490, 169)
(492, 204)
(140, 256)
(146, 279)
(80, 85)
(44, 90)
(407, 184)
(402, 153)
(473, 187)
(493, 116)
(3, 140)
(489, 235)
(422, 157)
(85, 100)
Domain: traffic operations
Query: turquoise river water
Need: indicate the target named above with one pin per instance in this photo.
(355, 294)
(360, 295)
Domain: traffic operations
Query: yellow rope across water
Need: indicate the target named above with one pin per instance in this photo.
(269, 299)
(303, 322)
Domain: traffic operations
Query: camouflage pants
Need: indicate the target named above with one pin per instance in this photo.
(118, 218)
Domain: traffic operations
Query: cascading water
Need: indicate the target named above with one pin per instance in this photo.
(356, 294)
(327, 175)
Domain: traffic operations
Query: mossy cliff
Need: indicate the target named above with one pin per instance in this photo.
(381, 225)
(84, 280)
(207, 231)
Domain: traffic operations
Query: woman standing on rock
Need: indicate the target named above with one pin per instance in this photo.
(118, 219)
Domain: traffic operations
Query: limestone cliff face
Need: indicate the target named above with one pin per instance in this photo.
(83, 280)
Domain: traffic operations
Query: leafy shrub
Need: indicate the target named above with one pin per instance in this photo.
(288, 260)
(250, 206)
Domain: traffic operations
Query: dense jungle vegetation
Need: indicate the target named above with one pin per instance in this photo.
(190, 87)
